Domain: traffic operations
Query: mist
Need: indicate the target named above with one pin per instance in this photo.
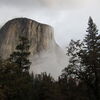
(52, 61)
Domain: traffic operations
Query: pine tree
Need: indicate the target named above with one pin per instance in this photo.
(91, 56)
(8, 77)
(84, 63)
(21, 54)
(15, 81)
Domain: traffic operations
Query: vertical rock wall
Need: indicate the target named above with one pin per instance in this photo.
(40, 36)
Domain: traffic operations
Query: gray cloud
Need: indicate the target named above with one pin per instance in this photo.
(68, 17)
(20, 3)
(43, 3)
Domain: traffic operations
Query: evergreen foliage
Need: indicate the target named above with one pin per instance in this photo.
(20, 56)
(80, 80)
(84, 63)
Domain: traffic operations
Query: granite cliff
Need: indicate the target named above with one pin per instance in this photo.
(40, 35)
(46, 55)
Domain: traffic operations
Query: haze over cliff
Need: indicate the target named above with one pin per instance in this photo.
(46, 55)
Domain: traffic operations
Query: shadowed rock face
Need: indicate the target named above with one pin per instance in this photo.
(40, 36)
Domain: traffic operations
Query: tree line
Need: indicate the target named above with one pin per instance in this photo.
(80, 80)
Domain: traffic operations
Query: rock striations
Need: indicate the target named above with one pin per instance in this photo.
(40, 35)
(45, 52)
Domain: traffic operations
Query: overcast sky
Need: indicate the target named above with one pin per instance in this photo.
(68, 17)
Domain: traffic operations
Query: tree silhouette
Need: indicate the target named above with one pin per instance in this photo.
(21, 54)
(84, 63)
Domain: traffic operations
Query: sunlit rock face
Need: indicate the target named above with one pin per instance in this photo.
(46, 55)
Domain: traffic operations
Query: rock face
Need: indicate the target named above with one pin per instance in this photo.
(40, 36)
(45, 53)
